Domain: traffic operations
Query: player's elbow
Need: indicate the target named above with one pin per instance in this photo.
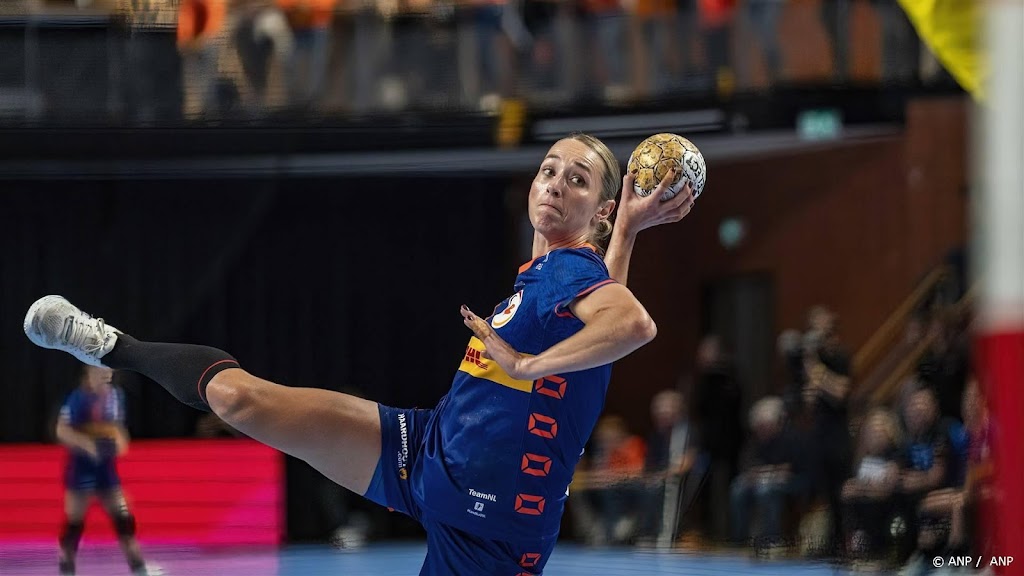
(641, 327)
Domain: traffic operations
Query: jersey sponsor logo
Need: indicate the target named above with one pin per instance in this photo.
(483, 495)
(478, 507)
(477, 510)
(403, 454)
(506, 315)
(474, 365)
(475, 357)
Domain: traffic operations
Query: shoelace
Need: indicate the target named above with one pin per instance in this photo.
(80, 330)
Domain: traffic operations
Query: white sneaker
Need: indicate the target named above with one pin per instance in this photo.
(53, 322)
(150, 570)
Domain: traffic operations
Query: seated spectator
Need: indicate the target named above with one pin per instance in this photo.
(606, 492)
(870, 495)
(768, 474)
(672, 454)
(925, 455)
(951, 509)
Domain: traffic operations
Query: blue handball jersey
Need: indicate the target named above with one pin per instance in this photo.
(97, 415)
(499, 453)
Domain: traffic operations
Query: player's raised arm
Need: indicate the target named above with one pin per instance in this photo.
(616, 324)
(637, 213)
(665, 174)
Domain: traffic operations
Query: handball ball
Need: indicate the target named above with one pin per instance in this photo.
(655, 156)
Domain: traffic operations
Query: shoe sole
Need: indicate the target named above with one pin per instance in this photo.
(33, 311)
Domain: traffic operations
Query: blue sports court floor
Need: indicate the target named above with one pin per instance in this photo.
(376, 560)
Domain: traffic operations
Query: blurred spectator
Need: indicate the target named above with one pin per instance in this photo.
(541, 19)
(305, 74)
(607, 496)
(146, 74)
(926, 453)
(650, 30)
(261, 32)
(870, 496)
(200, 37)
(901, 48)
(672, 457)
(718, 409)
(605, 40)
(835, 15)
(768, 475)
(945, 364)
(487, 75)
(764, 16)
(683, 35)
(717, 19)
(950, 510)
(819, 376)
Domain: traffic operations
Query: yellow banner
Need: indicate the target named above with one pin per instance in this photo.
(953, 31)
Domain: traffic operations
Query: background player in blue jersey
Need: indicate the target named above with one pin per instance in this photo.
(91, 425)
(486, 471)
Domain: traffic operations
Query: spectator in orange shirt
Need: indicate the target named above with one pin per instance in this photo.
(310, 21)
(200, 35)
(614, 480)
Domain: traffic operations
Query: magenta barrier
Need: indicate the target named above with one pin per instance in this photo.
(203, 492)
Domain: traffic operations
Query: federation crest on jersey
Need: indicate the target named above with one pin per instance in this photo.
(505, 316)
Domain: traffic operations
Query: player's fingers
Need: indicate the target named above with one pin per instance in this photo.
(666, 183)
(687, 192)
(677, 214)
(683, 198)
(480, 328)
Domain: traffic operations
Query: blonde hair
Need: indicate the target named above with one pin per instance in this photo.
(611, 181)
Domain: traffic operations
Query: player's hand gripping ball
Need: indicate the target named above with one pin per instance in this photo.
(655, 156)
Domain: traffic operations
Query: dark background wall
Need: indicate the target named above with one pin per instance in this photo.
(351, 284)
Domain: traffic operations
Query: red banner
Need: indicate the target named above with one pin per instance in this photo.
(208, 492)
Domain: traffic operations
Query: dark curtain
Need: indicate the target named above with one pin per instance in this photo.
(339, 284)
